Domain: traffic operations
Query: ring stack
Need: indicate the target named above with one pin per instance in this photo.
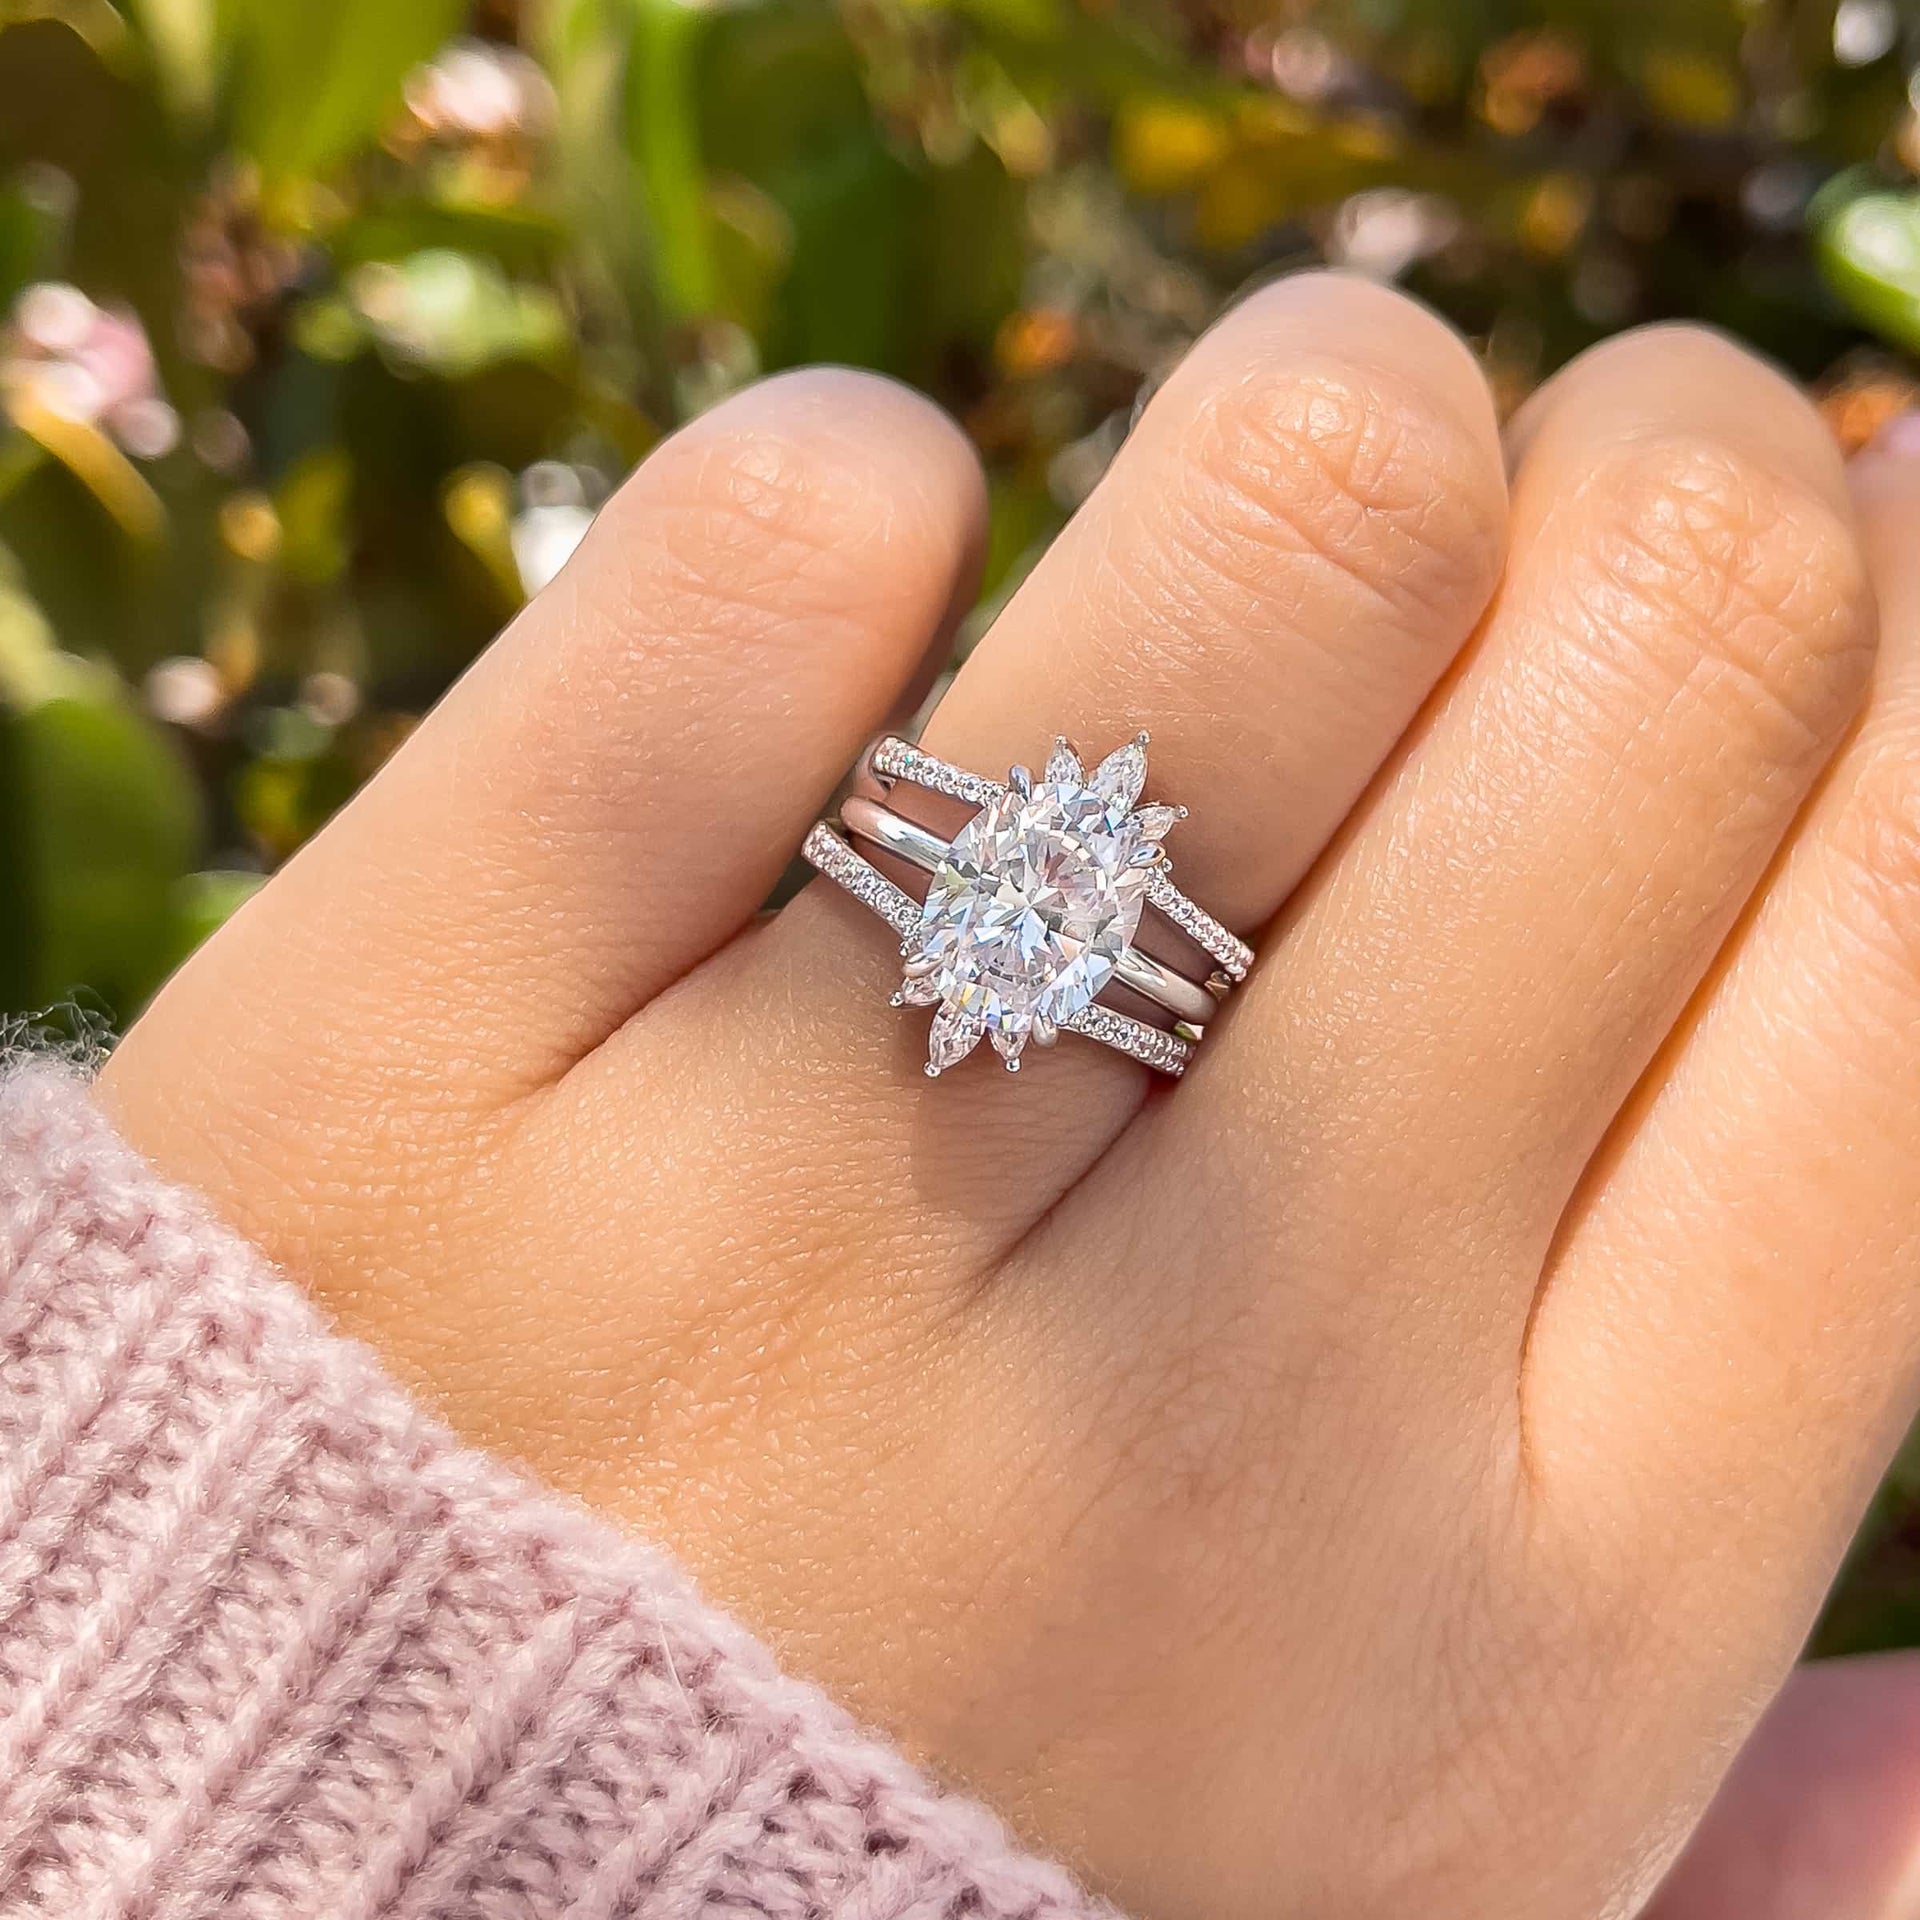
(1041, 907)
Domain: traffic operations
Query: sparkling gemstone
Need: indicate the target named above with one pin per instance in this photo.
(1029, 914)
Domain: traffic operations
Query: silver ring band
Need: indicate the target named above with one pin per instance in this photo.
(1033, 908)
(867, 819)
(828, 854)
(896, 759)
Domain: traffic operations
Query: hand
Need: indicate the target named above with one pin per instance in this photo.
(1388, 1472)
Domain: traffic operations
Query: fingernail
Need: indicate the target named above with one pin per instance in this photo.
(1899, 437)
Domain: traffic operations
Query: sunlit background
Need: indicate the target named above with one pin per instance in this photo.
(327, 327)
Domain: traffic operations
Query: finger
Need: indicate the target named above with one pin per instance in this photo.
(1447, 1026)
(1289, 549)
(1820, 1818)
(1729, 1344)
(1296, 542)
(612, 789)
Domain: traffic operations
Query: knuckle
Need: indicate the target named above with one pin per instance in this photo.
(1363, 473)
(1698, 571)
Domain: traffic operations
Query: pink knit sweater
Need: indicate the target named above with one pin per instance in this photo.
(274, 1647)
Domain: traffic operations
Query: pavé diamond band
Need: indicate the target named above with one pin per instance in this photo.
(1041, 903)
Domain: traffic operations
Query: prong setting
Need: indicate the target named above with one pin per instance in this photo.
(1033, 906)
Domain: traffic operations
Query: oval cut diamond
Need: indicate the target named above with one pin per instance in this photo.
(1029, 914)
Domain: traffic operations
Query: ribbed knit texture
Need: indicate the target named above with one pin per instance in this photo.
(274, 1647)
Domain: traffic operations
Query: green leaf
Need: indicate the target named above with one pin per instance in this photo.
(32, 668)
(780, 88)
(664, 133)
(93, 22)
(1869, 249)
(584, 48)
(782, 107)
(752, 245)
(183, 42)
(520, 239)
(974, 211)
(102, 821)
(1035, 20)
(311, 501)
(854, 208)
(445, 312)
(314, 81)
(32, 221)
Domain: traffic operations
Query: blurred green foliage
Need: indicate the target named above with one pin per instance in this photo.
(326, 327)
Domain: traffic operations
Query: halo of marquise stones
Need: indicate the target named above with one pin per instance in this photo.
(1039, 896)
(1033, 906)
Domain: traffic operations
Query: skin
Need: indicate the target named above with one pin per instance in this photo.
(1820, 1818)
(1387, 1473)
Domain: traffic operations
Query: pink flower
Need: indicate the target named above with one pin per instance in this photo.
(89, 364)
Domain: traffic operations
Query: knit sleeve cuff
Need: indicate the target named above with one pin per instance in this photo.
(273, 1644)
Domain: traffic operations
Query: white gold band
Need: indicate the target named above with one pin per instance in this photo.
(897, 759)
(1190, 1004)
(1034, 909)
(830, 855)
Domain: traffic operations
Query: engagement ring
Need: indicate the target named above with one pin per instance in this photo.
(1034, 908)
